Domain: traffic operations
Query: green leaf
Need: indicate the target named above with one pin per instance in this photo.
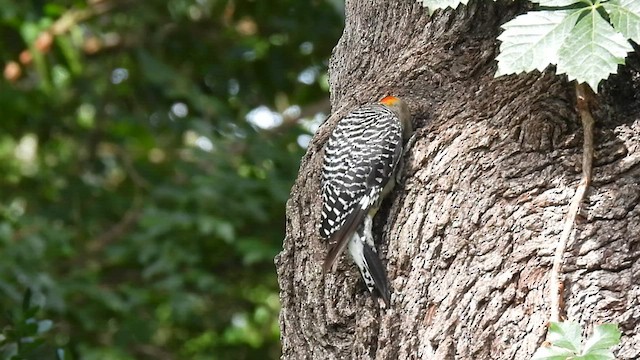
(604, 337)
(26, 300)
(599, 354)
(625, 17)
(566, 335)
(552, 353)
(532, 41)
(592, 51)
(71, 53)
(433, 5)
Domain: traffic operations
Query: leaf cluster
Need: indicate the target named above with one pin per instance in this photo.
(22, 336)
(566, 342)
(584, 39)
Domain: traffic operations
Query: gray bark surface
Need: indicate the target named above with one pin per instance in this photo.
(468, 236)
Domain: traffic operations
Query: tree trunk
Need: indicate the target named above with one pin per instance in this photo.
(468, 236)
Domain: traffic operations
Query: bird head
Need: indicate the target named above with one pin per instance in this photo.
(400, 108)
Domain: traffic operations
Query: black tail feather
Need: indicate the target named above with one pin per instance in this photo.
(378, 273)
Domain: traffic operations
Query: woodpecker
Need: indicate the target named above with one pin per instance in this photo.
(360, 164)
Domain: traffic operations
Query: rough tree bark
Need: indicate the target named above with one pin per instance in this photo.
(469, 236)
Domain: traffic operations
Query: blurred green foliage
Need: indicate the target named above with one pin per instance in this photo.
(136, 201)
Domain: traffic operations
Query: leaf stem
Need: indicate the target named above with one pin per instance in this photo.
(584, 96)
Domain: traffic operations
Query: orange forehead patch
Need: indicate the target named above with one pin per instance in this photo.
(389, 100)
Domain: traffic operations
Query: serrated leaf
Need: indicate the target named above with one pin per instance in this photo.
(625, 17)
(552, 353)
(567, 335)
(592, 51)
(556, 2)
(433, 5)
(604, 337)
(532, 41)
